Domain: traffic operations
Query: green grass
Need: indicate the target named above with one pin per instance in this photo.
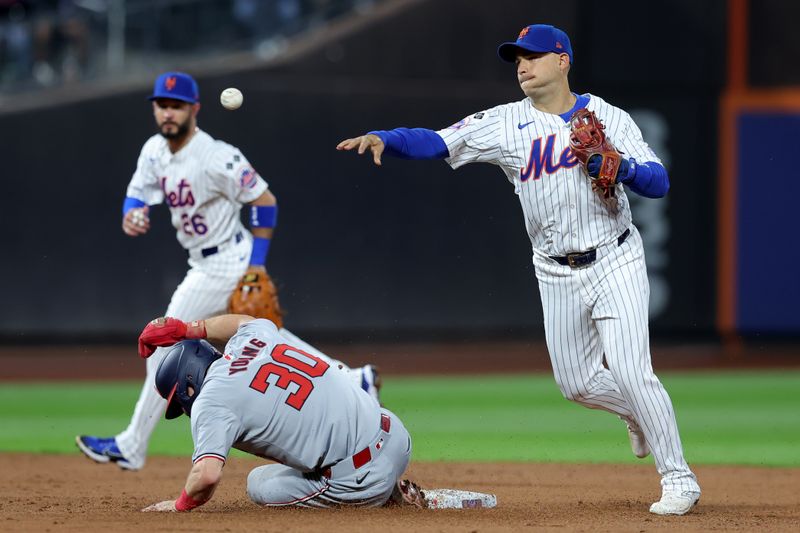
(725, 418)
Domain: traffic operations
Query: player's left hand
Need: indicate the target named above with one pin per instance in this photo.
(167, 506)
(256, 295)
(588, 141)
(364, 142)
(624, 172)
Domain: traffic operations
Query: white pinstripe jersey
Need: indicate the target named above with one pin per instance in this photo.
(562, 213)
(204, 185)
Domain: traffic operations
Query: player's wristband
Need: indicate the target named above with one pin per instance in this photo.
(196, 329)
(627, 170)
(258, 256)
(263, 216)
(185, 503)
(131, 203)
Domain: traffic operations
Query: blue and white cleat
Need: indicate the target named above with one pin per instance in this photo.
(103, 450)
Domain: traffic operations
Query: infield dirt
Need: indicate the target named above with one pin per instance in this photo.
(71, 493)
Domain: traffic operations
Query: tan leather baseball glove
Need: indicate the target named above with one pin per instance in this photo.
(256, 295)
(599, 158)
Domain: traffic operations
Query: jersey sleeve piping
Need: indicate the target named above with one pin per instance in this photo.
(210, 455)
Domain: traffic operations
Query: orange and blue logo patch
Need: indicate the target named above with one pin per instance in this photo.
(523, 33)
(559, 45)
(170, 82)
(248, 178)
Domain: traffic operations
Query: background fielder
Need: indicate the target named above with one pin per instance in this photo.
(205, 183)
(588, 255)
(268, 397)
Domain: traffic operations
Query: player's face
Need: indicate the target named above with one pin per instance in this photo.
(537, 71)
(175, 118)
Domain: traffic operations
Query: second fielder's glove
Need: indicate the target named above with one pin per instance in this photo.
(588, 141)
(256, 295)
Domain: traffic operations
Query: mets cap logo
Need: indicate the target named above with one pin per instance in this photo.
(523, 33)
(248, 178)
(170, 82)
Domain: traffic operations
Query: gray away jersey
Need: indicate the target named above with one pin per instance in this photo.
(204, 185)
(275, 401)
(562, 212)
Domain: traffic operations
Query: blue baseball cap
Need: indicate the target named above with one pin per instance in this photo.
(176, 85)
(536, 38)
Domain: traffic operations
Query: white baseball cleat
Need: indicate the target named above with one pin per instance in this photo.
(638, 442)
(675, 503)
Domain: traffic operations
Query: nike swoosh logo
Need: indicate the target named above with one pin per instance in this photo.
(523, 126)
(361, 479)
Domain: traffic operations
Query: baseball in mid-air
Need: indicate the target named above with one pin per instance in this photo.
(231, 98)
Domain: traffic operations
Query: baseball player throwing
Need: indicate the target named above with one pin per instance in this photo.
(269, 397)
(205, 183)
(587, 253)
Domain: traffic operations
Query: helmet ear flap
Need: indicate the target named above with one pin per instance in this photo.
(174, 409)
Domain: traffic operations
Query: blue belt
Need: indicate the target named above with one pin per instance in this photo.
(579, 259)
(205, 252)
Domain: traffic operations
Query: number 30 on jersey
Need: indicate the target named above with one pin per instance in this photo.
(301, 375)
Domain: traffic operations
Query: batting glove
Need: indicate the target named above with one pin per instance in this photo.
(166, 331)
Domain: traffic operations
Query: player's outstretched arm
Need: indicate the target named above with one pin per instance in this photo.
(200, 486)
(405, 143)
(223, 327)
(370, 142)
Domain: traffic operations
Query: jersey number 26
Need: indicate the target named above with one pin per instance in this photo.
(281, 354)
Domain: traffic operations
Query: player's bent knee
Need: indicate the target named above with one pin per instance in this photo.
(578, 391)
(281, 486)
(258, 483)
(575, 395)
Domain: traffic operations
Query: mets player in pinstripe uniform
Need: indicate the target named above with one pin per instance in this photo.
(205, 183)
(587, 253)
(268, 397)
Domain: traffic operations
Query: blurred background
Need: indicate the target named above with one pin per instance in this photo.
(411, 250)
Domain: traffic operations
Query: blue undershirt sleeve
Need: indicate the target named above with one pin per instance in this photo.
(650, 180)
(413, 143)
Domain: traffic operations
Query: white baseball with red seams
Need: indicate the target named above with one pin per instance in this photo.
(231, 98)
